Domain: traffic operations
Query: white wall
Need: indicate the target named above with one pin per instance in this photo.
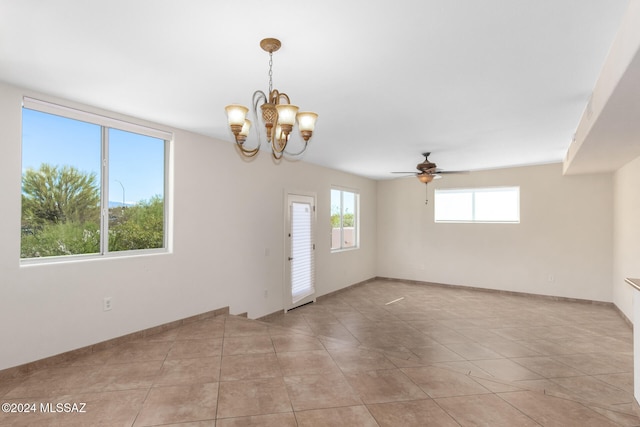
(626, 226)
(227, 212)
(562, 246)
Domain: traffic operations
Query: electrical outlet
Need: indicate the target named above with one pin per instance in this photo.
(106, 304)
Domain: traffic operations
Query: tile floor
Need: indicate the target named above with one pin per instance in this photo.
(438, 357)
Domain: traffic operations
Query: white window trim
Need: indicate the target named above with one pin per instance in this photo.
(473, 192)
(110, 122)
(356, 216)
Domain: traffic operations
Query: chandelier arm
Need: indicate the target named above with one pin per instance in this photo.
(285, 96)
(298, 153)
(274, 95)
(248, 152)
(277, 155)
(276, 149)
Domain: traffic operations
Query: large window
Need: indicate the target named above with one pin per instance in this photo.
(344, 219)
(494, 204)
(91, 185)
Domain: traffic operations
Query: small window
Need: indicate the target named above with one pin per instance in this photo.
(91, 185)
(344, 219)
(495, 204)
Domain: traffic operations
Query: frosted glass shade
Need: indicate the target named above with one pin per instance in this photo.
(307, 121)
(245, 128)
(287, 114)
(236, 114)
(425, 177)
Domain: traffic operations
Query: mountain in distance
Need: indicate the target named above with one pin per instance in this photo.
(113, 204)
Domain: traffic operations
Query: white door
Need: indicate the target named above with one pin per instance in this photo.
(300, 248)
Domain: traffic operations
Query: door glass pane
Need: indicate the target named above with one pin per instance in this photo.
(301, 251)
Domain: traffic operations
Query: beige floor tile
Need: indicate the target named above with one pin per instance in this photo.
(472, 350)
(178, 404)
(307, 362)
(126, 376)
(332, 417)
(247, 345)
(547, 367)
(623, 381)
(55, 382)
(505, 369)
(253, 397)
(202, 330)
(207, 423)
(622, 415)
(237, 327)
(417, 413)
(598, 363)
(320, 391)
(389, 385)
(360, 359)
(189, 371)
(590, 389)
(484, 410)
(439, 382)
(551, 411)
(186, 349)
(295, 342)
(139, 351)
(248, 366)
(436, 353)
(107, 408)
(270, 420)
(480, 354)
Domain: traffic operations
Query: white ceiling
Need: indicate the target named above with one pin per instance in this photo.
(481, 84)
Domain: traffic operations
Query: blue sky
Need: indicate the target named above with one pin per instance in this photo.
(135, 161)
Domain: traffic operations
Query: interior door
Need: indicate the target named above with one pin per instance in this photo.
(300, 251)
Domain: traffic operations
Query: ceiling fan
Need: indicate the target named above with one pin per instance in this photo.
(428, 171)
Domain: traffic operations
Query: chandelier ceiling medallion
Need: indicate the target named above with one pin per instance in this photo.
(278, 116)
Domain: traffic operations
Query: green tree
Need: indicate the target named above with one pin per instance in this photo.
(60, 212)
(55, 194)
(347, 220)
(140, 227)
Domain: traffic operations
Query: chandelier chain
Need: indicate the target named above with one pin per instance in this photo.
(270, 72)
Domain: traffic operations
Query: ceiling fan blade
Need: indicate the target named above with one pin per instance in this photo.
(405, 172)
(451, 172)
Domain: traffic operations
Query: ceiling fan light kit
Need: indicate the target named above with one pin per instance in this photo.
(278, 116)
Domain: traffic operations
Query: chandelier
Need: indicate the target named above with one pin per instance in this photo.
(278, 116)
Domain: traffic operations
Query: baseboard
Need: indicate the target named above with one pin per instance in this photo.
(499, 291)
(25, 369)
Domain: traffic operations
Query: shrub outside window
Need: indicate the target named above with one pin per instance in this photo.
(91, 185)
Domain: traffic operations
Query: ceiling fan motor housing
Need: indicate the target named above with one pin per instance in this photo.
(426, 166)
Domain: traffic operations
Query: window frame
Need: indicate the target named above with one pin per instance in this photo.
(356, 219)
(106, 123)
(473, 192)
